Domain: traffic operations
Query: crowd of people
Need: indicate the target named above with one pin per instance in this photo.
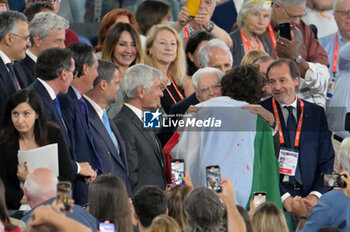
(265, 103)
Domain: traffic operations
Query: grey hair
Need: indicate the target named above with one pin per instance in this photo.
(105, 71)
(45, 22)
(59, 1)
(8, 21)
(295, 3)
(202, 71)
(251, 5)
(139, 74)
(38, 188)
(203, 53)
(344, 155)
(336, 2)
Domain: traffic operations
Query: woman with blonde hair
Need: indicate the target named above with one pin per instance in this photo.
(251, 56)
(164, 51)
(163, 223)
(269, 218)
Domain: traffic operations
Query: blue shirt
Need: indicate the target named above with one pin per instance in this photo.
(328, 44)
(333, 209)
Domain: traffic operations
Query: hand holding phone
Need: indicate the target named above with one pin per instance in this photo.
(259, 198)
(213, 176)
(193, 6)
(107, 226)
(177, 171)
(284, 29)
(333, 180)
(64, 194)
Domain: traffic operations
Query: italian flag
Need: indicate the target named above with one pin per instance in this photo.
(242, 146)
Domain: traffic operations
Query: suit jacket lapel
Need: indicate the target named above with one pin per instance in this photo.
(100, 128)
(6, 79)
(146, 133)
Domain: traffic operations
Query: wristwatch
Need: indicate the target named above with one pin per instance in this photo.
(211, 27)
(298, 59)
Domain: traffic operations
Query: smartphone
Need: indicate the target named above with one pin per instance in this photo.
(333, 180)
(64, 194)
(193, 6)
(107, 226)
(259, 198)
(213, 175)
(285, 30)
(177, 171)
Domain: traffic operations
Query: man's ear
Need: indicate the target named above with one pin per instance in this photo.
(25, 194)
(84, 69)
(340, 168)
(167, 211)
(140, 91)
(36, 40)
(8, 40)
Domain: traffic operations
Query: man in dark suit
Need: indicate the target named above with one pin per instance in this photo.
(55, 71)
(14, 40)
(108, 142)
(141, 91)
(304, 132)
(76, 116)
(46, 30)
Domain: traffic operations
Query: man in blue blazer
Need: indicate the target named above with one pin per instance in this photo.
(315, 150)
(76, 117)
(43, 37)
(54, 70)
(14, 40)
(108, 142)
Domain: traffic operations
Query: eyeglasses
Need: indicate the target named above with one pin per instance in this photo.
(343, 12)
(205, 90)
(74, 72)
(24, 37)
(293, 16)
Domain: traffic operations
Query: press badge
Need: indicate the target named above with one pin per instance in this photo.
(330, 89)
(288, 160)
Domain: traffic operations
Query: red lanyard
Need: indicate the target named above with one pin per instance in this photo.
(176, 89)
(187, 34)
(272, 35)
(245, 40)
(300, 122)
(335, 57)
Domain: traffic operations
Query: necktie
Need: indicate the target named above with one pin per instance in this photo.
(105, 121)
(12, 75)
(57, 103)
(84, 109)
(291, 126)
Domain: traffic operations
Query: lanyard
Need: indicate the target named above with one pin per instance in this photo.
(272, 35)
(187, 34)
(300, 122)
(335, 57)
(245, 40)
(176, 89)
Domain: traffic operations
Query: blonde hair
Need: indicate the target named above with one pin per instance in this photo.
(163, 223)
(177, 68)
(251, 56)
(269, 218)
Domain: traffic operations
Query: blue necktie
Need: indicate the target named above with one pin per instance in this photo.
(84, 109)
(12, 75)
(58, 107)
(291, 126)
(105, 121)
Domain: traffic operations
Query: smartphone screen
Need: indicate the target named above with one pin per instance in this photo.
(333, 180)
(259, 198)
(193, 6)
(177, 171)
(107, 227)
(213, 177)
(64, 194)
(285, 30)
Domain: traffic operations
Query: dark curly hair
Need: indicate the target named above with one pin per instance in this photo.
(243, 83)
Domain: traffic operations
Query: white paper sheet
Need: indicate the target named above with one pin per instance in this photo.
(42, 157)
